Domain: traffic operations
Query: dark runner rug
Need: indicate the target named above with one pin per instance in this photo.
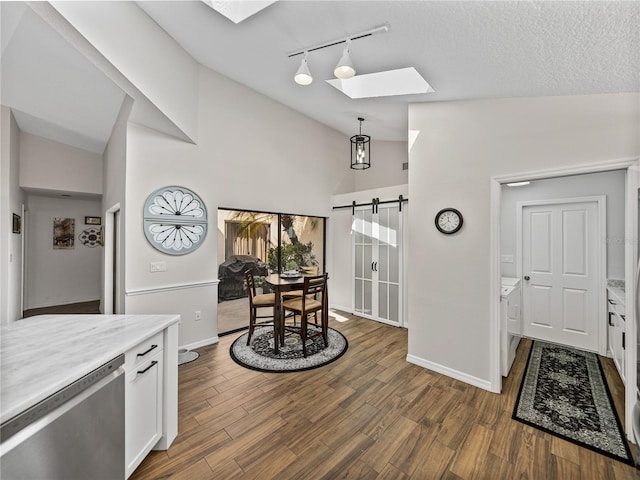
(564, 393)
(260, 356)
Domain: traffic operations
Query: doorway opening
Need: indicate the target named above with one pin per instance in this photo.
(621, 249)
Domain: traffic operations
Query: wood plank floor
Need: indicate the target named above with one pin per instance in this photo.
(368, 415)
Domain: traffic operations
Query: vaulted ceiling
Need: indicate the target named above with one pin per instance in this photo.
(465, 50)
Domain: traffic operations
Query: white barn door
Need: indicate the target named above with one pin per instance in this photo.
(561, 261)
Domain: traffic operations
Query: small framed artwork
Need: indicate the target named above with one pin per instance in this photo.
(17, 223)
(93, 220)
(64, 232)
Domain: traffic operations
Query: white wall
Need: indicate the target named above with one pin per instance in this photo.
(49, 165)
(386, 166)
(462, 145)
(248, 157)
(611, 184)
(144, 53)
(11, 201)
(113, 198)
(59, 277)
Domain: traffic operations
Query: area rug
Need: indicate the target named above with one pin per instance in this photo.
(260, 356)
(564, 393)
(186, 356)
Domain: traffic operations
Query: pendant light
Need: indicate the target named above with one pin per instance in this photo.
(303, 75)
(360, 150)
(344, 69)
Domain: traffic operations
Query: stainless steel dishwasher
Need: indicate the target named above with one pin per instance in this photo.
(76, 433)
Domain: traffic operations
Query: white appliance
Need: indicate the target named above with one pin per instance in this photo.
(510, 322)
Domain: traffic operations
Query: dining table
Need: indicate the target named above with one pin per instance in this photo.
(280, 284)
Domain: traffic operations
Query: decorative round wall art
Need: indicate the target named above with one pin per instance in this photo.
(175, 220)
(90, 237)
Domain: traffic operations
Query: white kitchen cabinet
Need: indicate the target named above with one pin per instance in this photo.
(377, 268)
(617, 332)
(144, 370)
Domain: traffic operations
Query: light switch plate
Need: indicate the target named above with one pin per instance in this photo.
(158, 267)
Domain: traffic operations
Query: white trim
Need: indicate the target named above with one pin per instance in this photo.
(618, 164)
(449, 372)
(201, 343)
(495, 283)
(631, 291)
(601, 273)
(333, 306)
(169, 288)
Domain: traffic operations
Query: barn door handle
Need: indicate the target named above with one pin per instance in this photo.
(610, 324)
(623, 340)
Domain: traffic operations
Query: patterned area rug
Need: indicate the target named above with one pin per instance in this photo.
(564, 393)
(260, 356)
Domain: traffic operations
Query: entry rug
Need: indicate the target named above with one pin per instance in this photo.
(260, 356)
(564, 393)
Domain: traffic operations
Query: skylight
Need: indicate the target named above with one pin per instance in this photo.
(238, 10)
(403, 81)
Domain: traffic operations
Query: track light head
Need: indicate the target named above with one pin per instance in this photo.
(344, 69)
(303, 75)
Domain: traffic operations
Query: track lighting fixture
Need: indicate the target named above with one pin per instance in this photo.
(303, 75)
(344, 69)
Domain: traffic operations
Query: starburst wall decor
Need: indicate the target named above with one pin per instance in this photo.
(175, 220)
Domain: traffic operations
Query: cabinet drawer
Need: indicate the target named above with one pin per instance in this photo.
(143, 351)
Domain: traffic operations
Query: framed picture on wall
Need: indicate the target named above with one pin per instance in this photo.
(64, 233)
(93, 220)
(17, 223)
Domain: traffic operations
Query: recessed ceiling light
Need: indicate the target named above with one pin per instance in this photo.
(403, 81)
(238, 10)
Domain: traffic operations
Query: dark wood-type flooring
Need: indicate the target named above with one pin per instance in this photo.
(69, 309)
(368, 415)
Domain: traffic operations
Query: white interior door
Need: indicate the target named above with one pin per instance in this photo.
(560, 266)
(377, 252)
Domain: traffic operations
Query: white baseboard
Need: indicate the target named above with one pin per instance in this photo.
(201, 343)
(449, 372)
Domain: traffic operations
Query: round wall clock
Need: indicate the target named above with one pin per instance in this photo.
(448, 220)
(175, 220)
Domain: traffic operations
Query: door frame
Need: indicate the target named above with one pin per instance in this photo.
(601, 274)
(112, 288)
(632, 167)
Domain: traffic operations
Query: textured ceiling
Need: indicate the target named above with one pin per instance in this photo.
(465, 50)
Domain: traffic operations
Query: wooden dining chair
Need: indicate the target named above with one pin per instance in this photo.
(312, 301)
(265, 300)
(306, 271)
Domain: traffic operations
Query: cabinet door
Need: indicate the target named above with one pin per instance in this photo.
(619, 345)
(143, 410)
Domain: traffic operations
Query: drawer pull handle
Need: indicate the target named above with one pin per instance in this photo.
(150, 348)
(140, 372)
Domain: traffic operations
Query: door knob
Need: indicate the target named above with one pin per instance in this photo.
(527, 278)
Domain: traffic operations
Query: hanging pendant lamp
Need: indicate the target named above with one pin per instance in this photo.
(360, 150)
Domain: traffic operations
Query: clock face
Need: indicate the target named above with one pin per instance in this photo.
(448, 220)
(175, 220)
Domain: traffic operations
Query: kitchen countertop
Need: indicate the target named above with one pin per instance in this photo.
(43, 354)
